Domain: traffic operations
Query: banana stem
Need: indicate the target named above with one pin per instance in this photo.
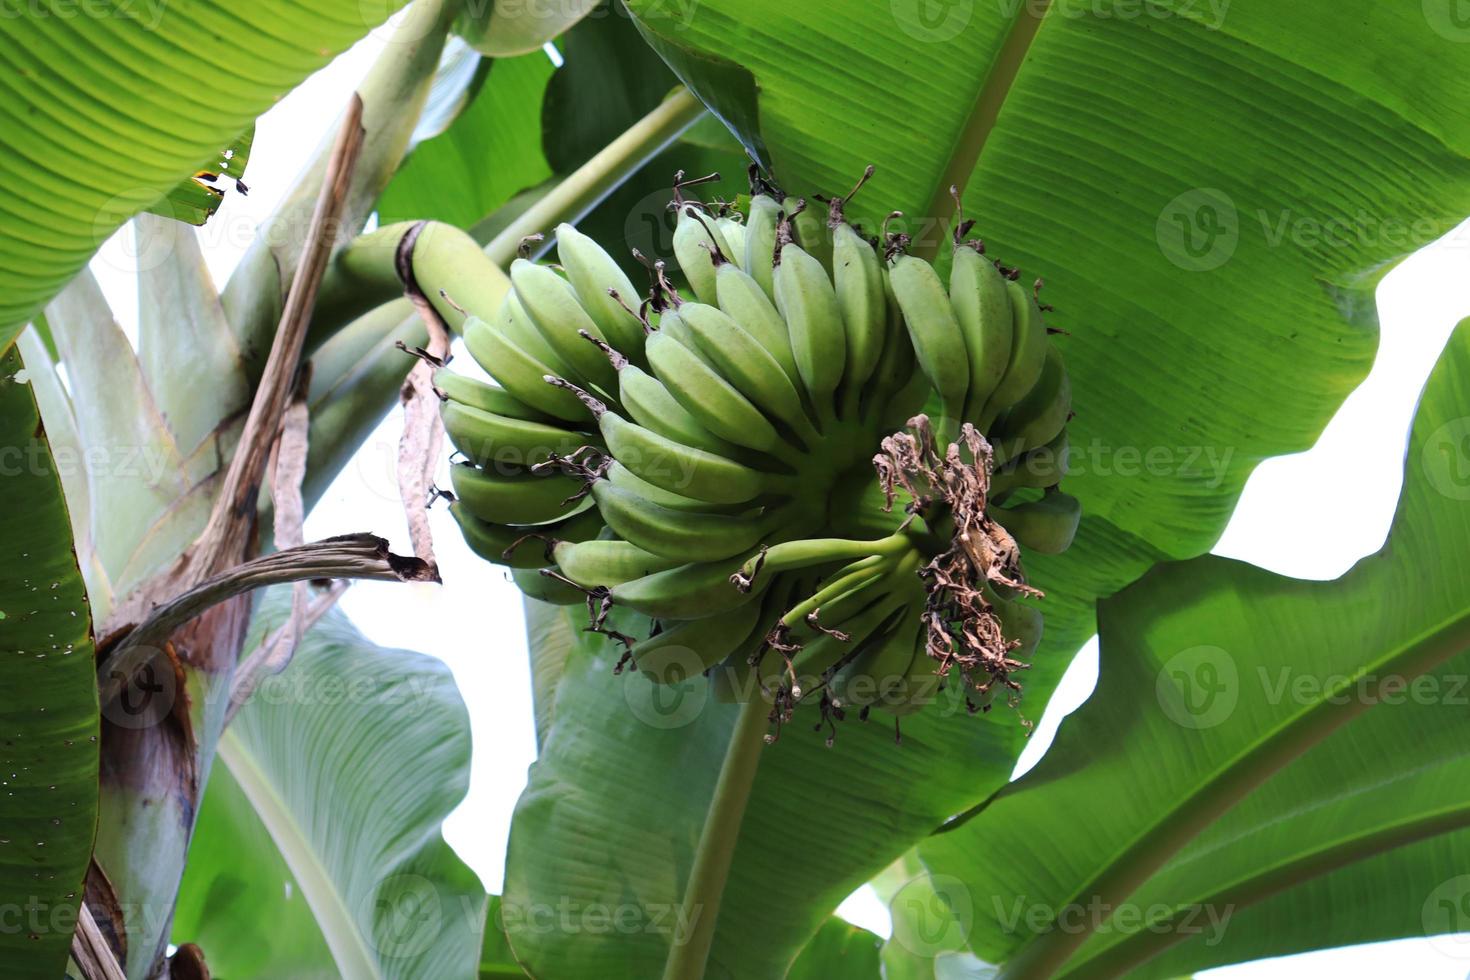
(712, 859)
(598, 177)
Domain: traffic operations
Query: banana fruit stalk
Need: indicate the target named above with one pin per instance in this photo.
(744, 466)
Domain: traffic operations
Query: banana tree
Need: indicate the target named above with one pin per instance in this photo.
(839, 465)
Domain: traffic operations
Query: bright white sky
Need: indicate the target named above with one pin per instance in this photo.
(1311, 516)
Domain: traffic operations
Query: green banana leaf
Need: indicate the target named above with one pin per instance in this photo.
(197, 197)
(599, 90)
(491, 151)
(48, 718)
(512, 27)
(318, 851)
(839, 951)
(1181, 363)
(496, 960)
(1262, 769)
(108, 110)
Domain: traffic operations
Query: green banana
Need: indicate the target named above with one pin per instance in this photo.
(1038, 468)
(896, 370)
(496, 440)
(517, 545)
(558, 316)
(760, 242)
(982, 305)
(805, 297)
(749, 305)
(545, 588)
(878, 670)
(1028, 354)
(748, 366)
(690, 536)
(595, 276)
(857, 278)
(692, 647)
(620, 476)
(478, 394)
(1020, 622)
(1040, 416)
(516, 324)
(606, 562)
(708, 397)
(1046, 526)
(734, 233)
(812, 233)
(920, 684)
(693, 591)
(653, 407)
(678, 468)
(517, 499)
(934, 330)
(696, 243)
(518, 372)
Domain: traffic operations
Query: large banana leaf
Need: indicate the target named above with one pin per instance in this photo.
(106, 109)
(318, 851)
(1195, 350)
(1259, 770)
(48, 716)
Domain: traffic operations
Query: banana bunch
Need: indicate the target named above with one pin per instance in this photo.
(715, 473)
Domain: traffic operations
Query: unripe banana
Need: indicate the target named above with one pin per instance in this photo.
(653, 407)
(748, 366)
(594, 276)
(1028, 354)
(1037, 418)
(694, 591)
(820, 656)
(805, 297)
(558, 316)
(751, 307)
(812, 233)
(690, 536)
(545, 588)
(734, 233)
(695, 241)
(490, 398)
(518, 545)
(516, 499)
(878, 672)
(857, 278)
(687, 649)
(897, 371)
(678, 468)
(1038, 468)
(920, 685)
(518, 372)
(760, 242)
(982, 305)
(495, 440)
(606, 563)
(709, 397)
(516, 324)
(620, 476)
(1020, 622)
(934, 330)
(1046, 526)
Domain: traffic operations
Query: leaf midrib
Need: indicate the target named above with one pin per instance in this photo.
(349, 947)
(1250, 889)
(970, 141)
(1231, 782)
